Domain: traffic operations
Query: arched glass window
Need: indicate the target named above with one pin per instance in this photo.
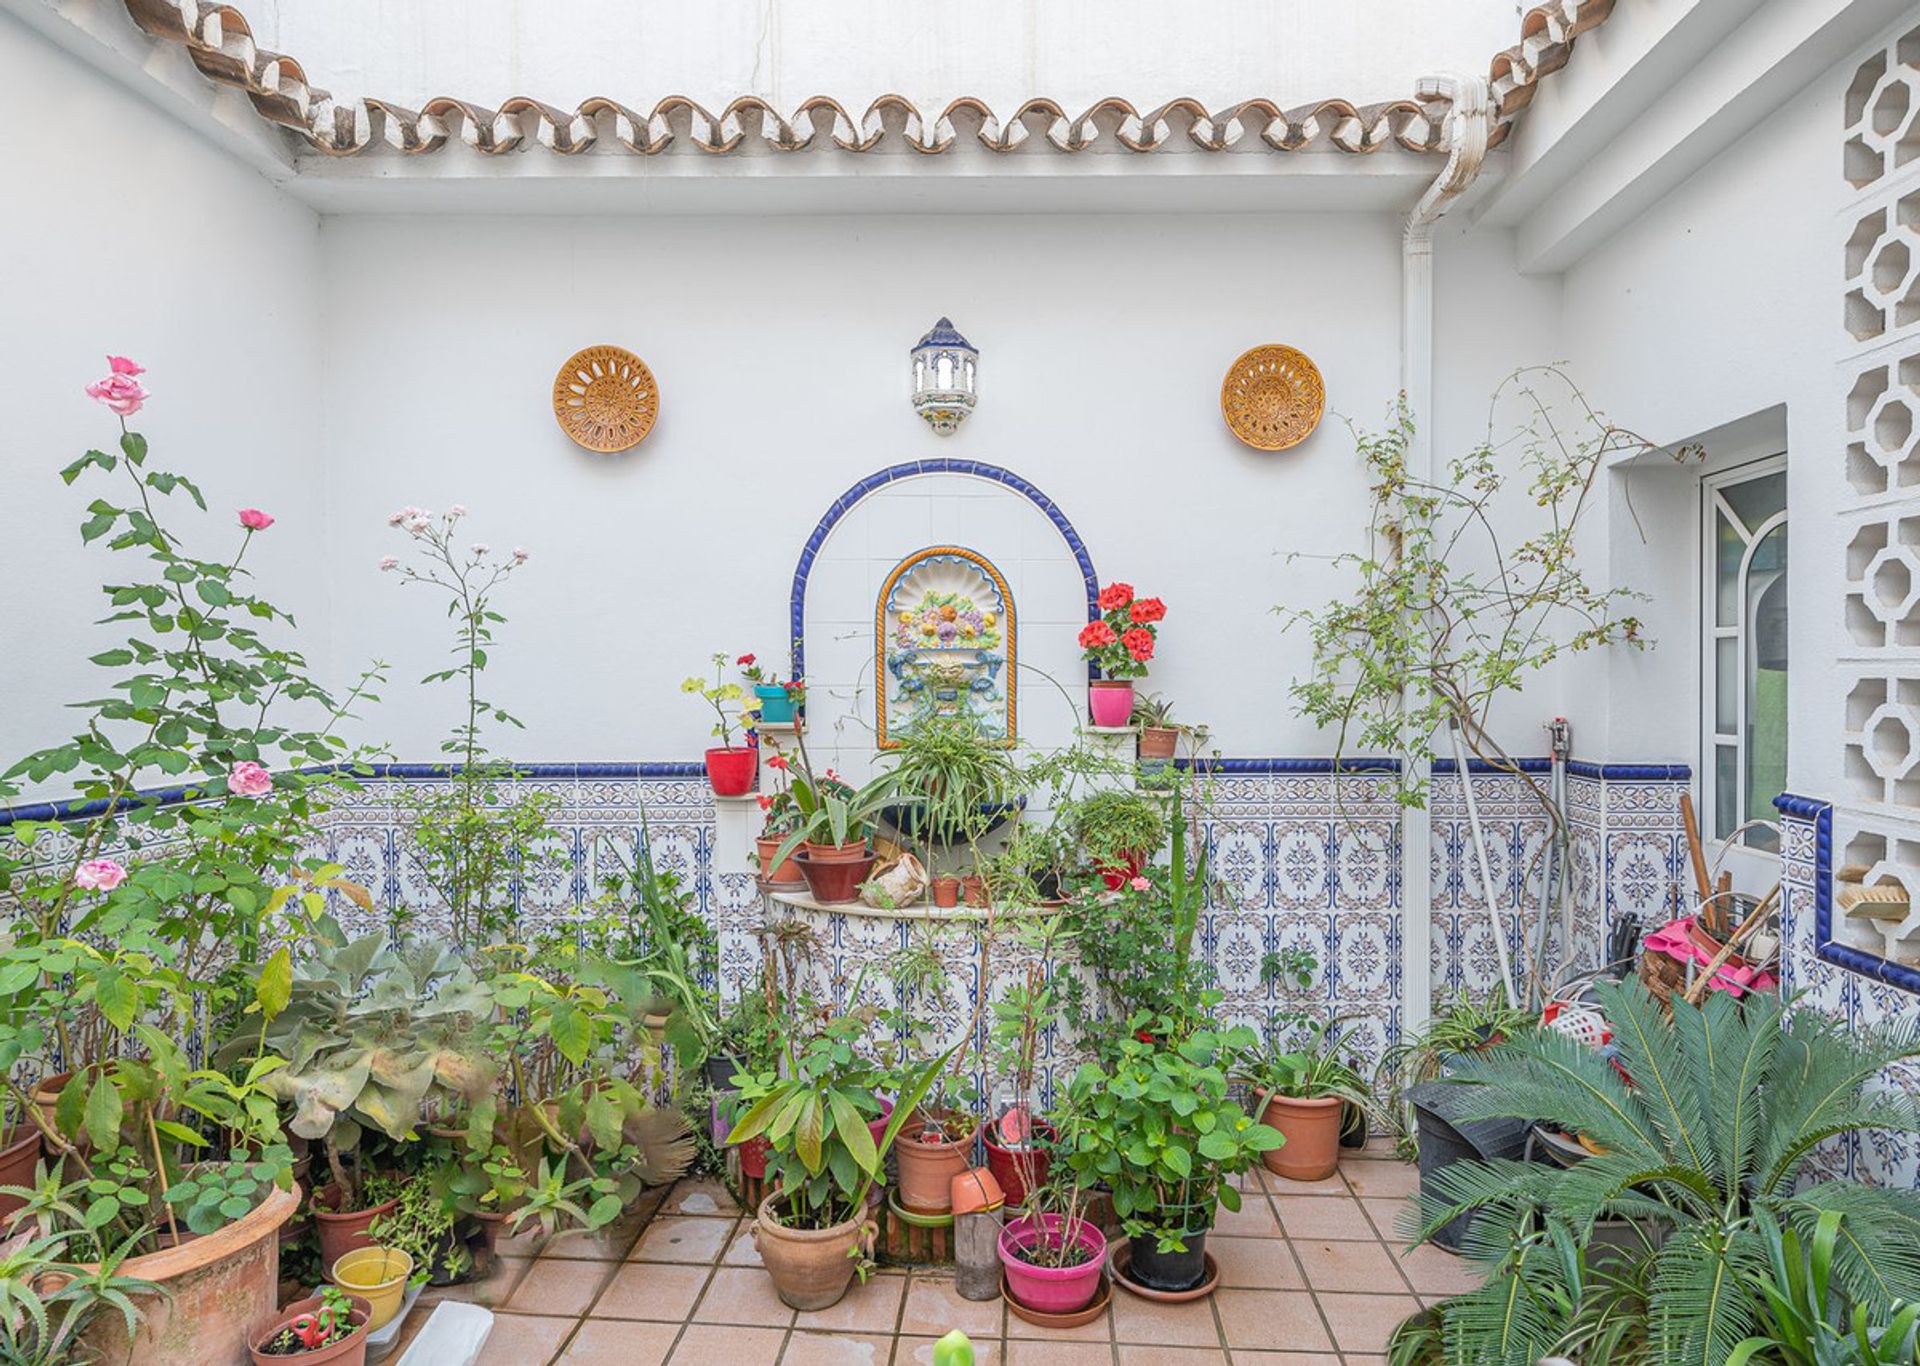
(1744, 634)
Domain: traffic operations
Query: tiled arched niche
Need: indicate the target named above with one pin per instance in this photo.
(902, 512)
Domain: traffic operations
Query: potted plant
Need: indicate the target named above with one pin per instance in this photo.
(1053, 1254)
(1157, 1126)
(379, 1034)
(780, 817)
(1118, 643)
(777, 699)
(814, 1229)
(1118, 831)
(330, 1329)
(830, 839)
(1160, 734)
(956, 784)
(1303, 1093)
(946, 891)
(1019, 1143)
(428, 1227)
(47, 1301)
(730, 767)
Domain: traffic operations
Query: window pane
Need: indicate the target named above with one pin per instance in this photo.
(1729, 549)
(1766, 735)
(1726, 790)
(1755, 500)
(1726, 685)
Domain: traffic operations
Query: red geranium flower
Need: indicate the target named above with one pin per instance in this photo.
(1139, 643)
(1115, 595)
(744, 661)
(776, 761)
(1147, 609)
(1096, 634)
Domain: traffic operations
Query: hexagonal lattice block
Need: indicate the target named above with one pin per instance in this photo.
(1892, 741)
(1893, 584)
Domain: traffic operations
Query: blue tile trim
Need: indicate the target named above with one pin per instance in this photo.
(170, 796)
(1824, 948)
(1630, 773)
(797, 599)
(1492, 766)
(1232, 767)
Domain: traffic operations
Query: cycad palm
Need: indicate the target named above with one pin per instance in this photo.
(1726, 1104)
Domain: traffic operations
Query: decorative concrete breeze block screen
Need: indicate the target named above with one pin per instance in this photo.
(1877, 814)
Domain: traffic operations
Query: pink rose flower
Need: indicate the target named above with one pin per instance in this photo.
(120, 365)
(253, 519)
(99, 875)
(1140, 884)
(248, 779)
(389, 563)
(120, 391)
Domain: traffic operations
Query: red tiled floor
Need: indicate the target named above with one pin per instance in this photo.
(523, 1340)
(1375, 1179)
(870, 1308)
(935, 1308)
(559, 1286)
(1323, 1216)
(614, 1342)
(1339, 1265)
(1030, 1353)
(674, 1239)
(1257, 1263)
(915, 1351)
(651, 1290)
(743, 1295)
(1140, 1354)
(1363, 1323)
(700, 1197)
(1152, 1323)
(1435, 1272)
(1275, 1320)
(725, 1344)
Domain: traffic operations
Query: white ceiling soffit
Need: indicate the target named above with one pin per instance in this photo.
(525, 155)
(1673, 86)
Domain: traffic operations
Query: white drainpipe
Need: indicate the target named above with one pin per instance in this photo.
(1468, 124)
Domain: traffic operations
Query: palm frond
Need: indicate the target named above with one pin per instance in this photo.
(1698, 1294)
(1738, 1045)
(1546, 1075)
(1668, 1065)
(1815, 1085)
(1514, 1319)
(1876, 1256)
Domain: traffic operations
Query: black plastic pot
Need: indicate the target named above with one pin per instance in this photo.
(1168, 1271)
(1354, 1129)
(1445, 1139)
(720, 1069)
(910, 820)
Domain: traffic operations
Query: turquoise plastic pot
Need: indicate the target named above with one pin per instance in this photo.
(775, 705)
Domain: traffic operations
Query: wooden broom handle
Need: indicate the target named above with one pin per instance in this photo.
(1701, 882)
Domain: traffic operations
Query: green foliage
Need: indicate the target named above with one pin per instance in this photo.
(831, 811)
(1458, 1027)
(478, 841)
(1449, 613)
(1316, 1071)
(1117, 824)
(953, 779)
(214, 1194)
(39, 1327)
(1707, 1145)
(1806, 1317)
(1156, 1125)
(421, 1226)
(664, 948)
(732, 704)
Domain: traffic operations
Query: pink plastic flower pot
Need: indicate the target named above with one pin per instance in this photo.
(1051, 1289)
(1111, 701)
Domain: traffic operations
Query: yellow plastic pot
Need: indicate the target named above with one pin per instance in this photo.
(377, 1275)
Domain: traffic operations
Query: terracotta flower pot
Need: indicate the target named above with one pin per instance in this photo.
(19, 1155)
(220, 1292)
(834, 882)
(850, 852)
(973, 891)
(350, 1352)
(946, 892)
(1052, 1289)
(1110, 700)
(1010, 1165)
(731, 771)
(928, 1164)
(811, 1268)
(344, 1233)
(784, 874)
(1158, 742)
(1312, 1131)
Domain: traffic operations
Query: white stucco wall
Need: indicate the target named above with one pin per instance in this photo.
(126, 233)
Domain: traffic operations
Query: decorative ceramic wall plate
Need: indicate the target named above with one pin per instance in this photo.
(605, 399)
(1273, 397)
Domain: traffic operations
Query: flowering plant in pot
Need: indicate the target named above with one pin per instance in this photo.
(780, 817)
(777, 698)
(1156, 1124)
(1118, 831)
(331, 1327)
(1119, 642)
(730, 767)
(814, 1230)
(1303, 1093)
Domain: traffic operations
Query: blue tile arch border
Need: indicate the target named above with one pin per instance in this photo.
(1820, 815)
(797, 600)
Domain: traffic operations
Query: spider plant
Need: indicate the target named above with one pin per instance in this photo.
(1461, 1027)
(955, 782)
(1315, 1071)
(1705, 1146)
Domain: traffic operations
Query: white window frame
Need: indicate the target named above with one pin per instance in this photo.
(1751, 867)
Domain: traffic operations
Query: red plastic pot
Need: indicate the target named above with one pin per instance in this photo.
(1118, 875)
(753, 1157)
(731, 771)
(834, 882)
(1111, 701)
(1052, 1289)
(1010, 1166)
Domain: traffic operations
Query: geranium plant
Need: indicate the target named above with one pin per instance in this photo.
(1120, 641)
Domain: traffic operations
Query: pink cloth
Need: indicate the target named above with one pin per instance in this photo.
(1677, 943)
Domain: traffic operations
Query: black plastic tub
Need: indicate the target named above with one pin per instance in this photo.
(1446, 1139)
(1168, 1271)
